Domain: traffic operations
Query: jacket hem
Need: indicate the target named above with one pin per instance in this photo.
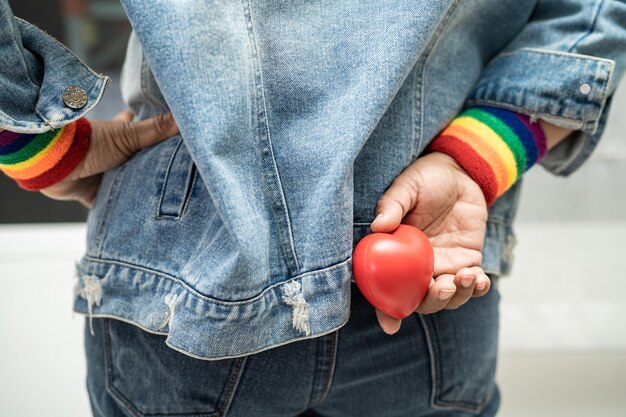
(210, 329)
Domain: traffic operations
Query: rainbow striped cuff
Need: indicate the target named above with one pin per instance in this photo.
(495, 146)
(37, 161)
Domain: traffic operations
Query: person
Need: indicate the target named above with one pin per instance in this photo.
(217, 278)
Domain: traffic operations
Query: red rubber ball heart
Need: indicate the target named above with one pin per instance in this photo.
(394, 270)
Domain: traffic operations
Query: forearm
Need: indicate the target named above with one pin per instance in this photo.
(495, 146)
(554, 134)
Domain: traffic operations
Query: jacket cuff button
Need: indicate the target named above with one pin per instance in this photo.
(75, 97)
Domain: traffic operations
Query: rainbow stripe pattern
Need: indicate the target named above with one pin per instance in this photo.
(495, 146)
(37, 161)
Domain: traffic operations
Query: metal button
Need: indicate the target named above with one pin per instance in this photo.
(75, 97)
(585, 89)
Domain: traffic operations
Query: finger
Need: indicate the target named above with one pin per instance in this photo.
(465, 280)
(395, 203)
(389, 324)
(153, 130)
(126, 116)
(87, 190)
(483, 284)
(439, 294)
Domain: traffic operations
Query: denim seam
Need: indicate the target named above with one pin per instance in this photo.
(270, 171)
(316, 371)
(20, 42)
(423, 61)
(561, 54)
(108, 367)
(324, 367)
(236, 373)
(101, 78)
(192, 174)
(202, 296)
(21, 126)
(588, 122)
(189, 183)
(332, 364)
(106, 211)
(168, 170)
(592, 25)
(584, 151)
(69, 51)
(433, 349)
(145, 88)
(220, 410)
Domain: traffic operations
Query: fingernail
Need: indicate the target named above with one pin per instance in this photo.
(378, 218)
(480, 286)
(467, 281)
(445, 294)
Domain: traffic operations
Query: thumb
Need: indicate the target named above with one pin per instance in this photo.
(389, 324)
(394, 204)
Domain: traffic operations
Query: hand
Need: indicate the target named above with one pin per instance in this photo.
(436, 195)
(111, 144)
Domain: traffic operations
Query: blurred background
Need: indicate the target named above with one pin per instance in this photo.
(563, 331)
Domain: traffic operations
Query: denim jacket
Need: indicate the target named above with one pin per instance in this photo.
(295, 116)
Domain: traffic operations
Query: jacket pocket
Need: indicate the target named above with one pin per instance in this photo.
(463, 345)
(177, 184)
(148, 378)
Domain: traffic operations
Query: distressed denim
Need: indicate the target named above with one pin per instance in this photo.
(236, 236)
(357, 371)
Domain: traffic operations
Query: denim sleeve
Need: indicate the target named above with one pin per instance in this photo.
(35, 71)
(562, 67)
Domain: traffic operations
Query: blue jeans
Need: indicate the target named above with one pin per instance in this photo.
(437, 365)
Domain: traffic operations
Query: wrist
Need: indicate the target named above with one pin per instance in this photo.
(38, 161)
(493, 146)
(554, 134)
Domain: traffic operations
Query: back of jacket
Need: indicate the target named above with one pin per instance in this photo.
(295, 117)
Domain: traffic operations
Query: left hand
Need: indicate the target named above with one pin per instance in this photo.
(111, 144)
(437, 196)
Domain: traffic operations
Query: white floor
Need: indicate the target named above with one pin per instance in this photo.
(563, 339)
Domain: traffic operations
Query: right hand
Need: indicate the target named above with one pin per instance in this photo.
(112, 143)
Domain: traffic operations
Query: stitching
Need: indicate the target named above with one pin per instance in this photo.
(113, 392)
(106, 210)
(233, 383)
(263, 349)
(432, 342)
(196, 293)
(64, 47)
(274, 182)
(316, 371)
(333, 360)
(190, 181)
(220, 410)
(592, 27)
(20, 42)
(193, 173)
(562, 54)
(434, 41)
(520, 109)
(167, 176)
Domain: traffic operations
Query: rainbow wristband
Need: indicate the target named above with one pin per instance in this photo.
(37, 161)
(493, 145)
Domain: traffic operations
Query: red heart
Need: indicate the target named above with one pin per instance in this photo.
(393, 270)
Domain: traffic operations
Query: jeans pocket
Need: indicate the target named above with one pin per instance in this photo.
(463, 346)
(148, 378)
(177, 184)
